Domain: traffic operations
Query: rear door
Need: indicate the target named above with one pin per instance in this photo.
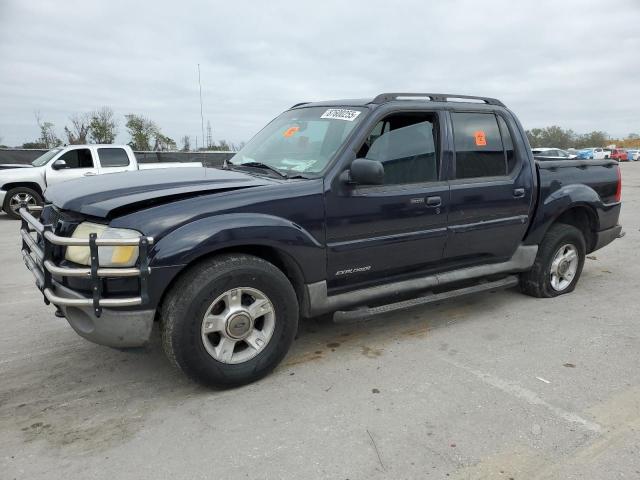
(113, 159)
(491, 187)
(377, 231)
(80, 163)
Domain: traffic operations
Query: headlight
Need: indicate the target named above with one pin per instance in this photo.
(120, 256)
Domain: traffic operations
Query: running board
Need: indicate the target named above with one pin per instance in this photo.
(507, 282)
(317, 300)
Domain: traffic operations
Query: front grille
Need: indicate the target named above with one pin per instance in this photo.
(40, 257)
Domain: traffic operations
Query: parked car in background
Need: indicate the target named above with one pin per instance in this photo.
(619, 154)
(585, 154)
(633, 154)
(552, 154)
(594, 153)
(332, 206)
(27, 183)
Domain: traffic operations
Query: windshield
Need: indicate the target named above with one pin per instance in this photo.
(300, 141)
(44, 158)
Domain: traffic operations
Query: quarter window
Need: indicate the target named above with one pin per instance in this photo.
(113, 157)
(509, 151)
(480, 151)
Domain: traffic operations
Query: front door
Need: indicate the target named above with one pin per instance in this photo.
(377, 232)
(79, 163)
(490, 190)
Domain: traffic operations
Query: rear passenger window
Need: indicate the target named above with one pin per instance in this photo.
(479, 147)
(113, 157)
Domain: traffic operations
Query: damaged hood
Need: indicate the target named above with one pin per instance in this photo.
(106, 195)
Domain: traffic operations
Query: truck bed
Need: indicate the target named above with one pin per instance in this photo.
(591, 185)
(600, 175)
(151, 166)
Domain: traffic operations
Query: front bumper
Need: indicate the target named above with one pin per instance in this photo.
(91, 317)
(114, 328)
(605, 237)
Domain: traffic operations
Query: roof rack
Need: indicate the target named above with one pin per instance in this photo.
(434, 97)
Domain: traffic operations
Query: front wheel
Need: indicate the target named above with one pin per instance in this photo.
(16, 197)
(558, 264)
(230, 320)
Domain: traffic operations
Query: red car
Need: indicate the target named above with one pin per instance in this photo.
(619, 154)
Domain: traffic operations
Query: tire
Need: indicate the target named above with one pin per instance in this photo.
(29, 195)
(210, 289)
(540, 280)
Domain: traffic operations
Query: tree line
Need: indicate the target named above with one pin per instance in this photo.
(558, 137)
(101, 126)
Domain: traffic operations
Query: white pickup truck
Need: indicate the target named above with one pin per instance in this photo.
(26, 183)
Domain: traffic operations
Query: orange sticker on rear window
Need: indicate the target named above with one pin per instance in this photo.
(290, 132)
(481, 139)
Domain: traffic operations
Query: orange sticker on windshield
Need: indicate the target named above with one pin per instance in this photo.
(481, 139)
(290, 132)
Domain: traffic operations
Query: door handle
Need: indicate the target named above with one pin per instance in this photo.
(88, 174)
(434, 201)
(518, 192)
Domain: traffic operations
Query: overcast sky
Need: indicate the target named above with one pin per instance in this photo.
(571, 63)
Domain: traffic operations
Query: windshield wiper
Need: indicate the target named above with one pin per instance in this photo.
(260, 165)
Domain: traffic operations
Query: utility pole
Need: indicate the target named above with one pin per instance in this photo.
(201, 116)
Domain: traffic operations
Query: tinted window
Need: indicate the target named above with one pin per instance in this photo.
(79, 158)
(507, 142)
(406, 146)
(478, 144)
(113, 157)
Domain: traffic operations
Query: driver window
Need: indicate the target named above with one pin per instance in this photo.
(405, 144)
(78, 158)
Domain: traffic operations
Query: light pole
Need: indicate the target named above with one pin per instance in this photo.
(201, 116)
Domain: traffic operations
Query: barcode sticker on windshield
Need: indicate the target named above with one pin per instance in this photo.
(341, 114)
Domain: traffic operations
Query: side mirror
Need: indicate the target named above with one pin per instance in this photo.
(366, 172)
(59, 164)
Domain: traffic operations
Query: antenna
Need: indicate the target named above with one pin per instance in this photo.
(201, 116)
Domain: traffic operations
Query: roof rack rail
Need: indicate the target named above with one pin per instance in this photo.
(434, 97)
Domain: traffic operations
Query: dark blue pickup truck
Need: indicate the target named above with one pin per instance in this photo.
(379, 203)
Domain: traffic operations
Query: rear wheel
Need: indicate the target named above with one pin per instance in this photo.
(16, 196)
(230, 320)
(558, 264)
